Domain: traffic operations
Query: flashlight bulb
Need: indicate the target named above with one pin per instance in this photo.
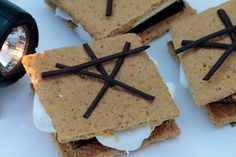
(13, 49)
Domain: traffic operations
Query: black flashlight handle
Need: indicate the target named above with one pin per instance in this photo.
(12, 16)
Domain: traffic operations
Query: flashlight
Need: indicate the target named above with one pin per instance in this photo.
(18, 37)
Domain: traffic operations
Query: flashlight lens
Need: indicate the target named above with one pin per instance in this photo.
(13, 49)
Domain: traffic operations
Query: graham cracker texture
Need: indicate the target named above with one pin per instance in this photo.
(90, 14)
(197, 62)
(66, 98)
(168, 129)
(220, 114)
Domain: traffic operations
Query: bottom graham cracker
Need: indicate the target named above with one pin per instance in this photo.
(221, 114)
(168, 129)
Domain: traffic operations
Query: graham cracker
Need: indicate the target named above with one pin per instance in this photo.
(197, 62)
(159, 29)
(125, 14)
(220, 114)
(171, 49)
(168, 129)
(66, 98)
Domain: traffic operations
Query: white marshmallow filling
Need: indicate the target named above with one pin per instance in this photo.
(128, 140)
(182, 77)
(84, 36)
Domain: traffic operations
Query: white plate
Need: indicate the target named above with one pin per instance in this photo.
(19, 137)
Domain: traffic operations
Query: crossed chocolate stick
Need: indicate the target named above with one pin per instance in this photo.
(109, 7)
(204, 42)
(109, 79)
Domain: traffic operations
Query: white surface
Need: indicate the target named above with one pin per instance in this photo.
(19, 137)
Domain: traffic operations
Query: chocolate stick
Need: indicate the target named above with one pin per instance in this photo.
(91, 54)
(227, 22)
(112, 81)
(219, 62)
(92, 63)
(207, 44)
(109, 7)
(107, 83)
(206, 38)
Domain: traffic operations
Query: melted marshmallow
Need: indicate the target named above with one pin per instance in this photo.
(84, 36)
(41, 119)
(128, 140)
(182, 78)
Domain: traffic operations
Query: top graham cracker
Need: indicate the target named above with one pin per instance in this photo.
(91, 14)
(66, 98)
(197, 62)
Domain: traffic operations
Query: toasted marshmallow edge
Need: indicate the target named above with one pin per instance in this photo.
(84, 36)
(182, 78)
(128, 140)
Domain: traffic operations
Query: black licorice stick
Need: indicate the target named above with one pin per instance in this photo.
(227, 22)
(120, 61)
(92, 55)
(206, 38)
(112, 81)
(219, 62)
(107, 83)
(109, 7)
(207, 44)
(92, 63)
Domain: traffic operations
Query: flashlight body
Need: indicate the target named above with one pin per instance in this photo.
(12, 16)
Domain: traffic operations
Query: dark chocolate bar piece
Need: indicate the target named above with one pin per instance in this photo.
(159, 17)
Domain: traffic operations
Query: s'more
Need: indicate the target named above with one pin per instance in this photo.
(102, 99)
(205, 46)
(97, 19)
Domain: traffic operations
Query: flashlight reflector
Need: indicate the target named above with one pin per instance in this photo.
(13, 49)
(18, 37)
